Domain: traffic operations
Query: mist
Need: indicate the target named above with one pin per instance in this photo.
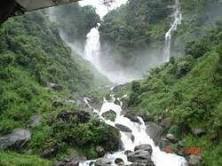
(118, 69)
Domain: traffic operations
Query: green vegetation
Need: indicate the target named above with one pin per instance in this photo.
(38, 76)
(188, 91)
(135, 27)
(11, 159)
(76, 21)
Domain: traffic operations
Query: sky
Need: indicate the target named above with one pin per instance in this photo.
(101, 9)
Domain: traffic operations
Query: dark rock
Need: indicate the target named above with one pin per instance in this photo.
(132, 117)
(143, 163)
(110, 115)
(119, 161)
(35, 121)
(123, 128)
(144, 147)
(17, 139)
(139, 155)
(100, 151)
(198, 131)
(117, 102)
(127, 152)
(154, 131)
(103, 162)
(194, 160)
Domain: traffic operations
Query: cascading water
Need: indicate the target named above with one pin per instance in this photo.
(168, 36)
(92, 51)
(138, 132)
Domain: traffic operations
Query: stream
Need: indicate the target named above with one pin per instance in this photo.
(138, 131)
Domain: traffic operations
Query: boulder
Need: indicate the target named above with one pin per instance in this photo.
(100, 151)
(17, 139)
(117, 102)
(123, 128)
(110, 115)
(194, 160)
(144, 147)
(119, 162)
(132, 117)
(154, 131)
(171, 138)
(103, 162)
(139, 155)
(143, 163)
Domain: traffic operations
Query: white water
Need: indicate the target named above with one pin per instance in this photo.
(177, 15)
(92, 52)
(141, 137)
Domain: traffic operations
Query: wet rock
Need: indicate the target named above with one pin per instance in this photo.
(154, 131)
(100, 151)
(143, 163)
(144, 147)
(139, 155)
(132, 117)
(35, 121)
(123, 128)
(127, 152)
(110, 115)
(103, 162)
(171, 138)
(17, 139)
(117, 102)
(198, 131)
(119, 161)
(194, 160)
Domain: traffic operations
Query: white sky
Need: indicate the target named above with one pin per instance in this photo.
(101, 9)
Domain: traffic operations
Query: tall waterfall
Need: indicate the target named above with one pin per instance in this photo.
(92, 51)
(177, 15)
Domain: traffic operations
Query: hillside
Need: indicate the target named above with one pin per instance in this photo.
(42, 85)
(187, 93)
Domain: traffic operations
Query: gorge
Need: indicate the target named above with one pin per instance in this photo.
(130, 83)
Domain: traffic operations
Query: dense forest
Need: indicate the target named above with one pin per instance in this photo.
(43, 82)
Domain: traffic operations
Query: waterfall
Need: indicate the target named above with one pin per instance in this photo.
(92, 51)
(177, 15)
(138, 131)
